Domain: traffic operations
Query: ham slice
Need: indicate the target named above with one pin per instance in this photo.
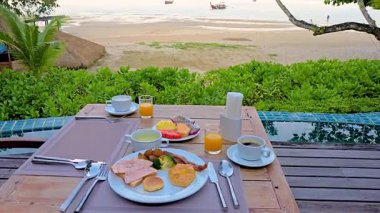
(130, 165)
(133, 170)
(138, 174)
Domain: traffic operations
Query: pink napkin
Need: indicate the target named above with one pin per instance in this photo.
(86, 139)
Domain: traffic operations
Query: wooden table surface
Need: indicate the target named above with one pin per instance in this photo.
(266, 189)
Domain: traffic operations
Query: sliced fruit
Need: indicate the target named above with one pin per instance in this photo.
(183, 129)
(170, 134)
(166, 125)
(174, 135)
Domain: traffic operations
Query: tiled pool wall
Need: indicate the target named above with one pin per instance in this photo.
(18, 127)
(280, 126)
(372, 118)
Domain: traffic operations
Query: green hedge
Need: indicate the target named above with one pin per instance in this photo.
(313, 86)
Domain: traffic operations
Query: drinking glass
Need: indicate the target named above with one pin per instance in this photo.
(213, 139)
(146, 106)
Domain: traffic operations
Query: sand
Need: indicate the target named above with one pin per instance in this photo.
(150, 44)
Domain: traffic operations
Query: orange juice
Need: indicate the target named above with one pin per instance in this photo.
(213, 143)
(146, 110)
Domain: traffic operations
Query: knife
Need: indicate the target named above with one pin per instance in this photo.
(214, 179)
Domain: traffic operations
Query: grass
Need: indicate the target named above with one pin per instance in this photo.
(155, 44)
(272, 54)
(188, 45)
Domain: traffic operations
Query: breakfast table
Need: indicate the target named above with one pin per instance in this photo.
(35, 189)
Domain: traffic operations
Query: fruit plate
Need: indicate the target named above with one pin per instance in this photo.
(167, 194)
(184, 138)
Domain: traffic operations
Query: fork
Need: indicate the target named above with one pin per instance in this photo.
(102, 176)
(77, 165)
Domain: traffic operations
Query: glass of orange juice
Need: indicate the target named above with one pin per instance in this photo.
(146, 106)
(213, 139)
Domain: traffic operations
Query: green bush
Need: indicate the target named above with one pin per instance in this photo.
(313, 86)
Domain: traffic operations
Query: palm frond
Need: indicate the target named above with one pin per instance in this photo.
(37, 50)
(14, 24)
(49, 31)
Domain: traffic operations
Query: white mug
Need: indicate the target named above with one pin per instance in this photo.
(250, 147)
(120, 103)
(146, 139)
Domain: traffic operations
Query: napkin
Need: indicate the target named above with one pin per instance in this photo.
(234, 105)
(86, 139)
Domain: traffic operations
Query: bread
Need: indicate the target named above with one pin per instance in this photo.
(136, 183)
(139, 181)
(120, 175)
(182, 175)
(153, 183)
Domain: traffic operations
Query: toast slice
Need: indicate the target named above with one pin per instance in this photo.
(139, 181)
(136, 182)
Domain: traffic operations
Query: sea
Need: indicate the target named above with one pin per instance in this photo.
(237, 12)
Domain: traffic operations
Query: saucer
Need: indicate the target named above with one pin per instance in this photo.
(112, 111)
(263, 161)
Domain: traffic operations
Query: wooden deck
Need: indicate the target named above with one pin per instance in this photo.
(332, 178)
(323, 178)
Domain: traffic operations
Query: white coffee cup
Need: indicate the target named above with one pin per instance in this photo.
(146, 139)
(120, 103)
(250, 147)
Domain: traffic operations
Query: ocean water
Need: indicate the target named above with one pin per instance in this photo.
(240, 11)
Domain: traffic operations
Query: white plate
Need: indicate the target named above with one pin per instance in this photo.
(167, 194)
(131, 110)
(233, 155)
(185, 138)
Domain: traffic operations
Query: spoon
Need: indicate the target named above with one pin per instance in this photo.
(91, 171)
(226, 170)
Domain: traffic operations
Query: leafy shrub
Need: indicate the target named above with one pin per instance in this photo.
(313, 86)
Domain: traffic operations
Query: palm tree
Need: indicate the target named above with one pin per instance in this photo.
(36, 50)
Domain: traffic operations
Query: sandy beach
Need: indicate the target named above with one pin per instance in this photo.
(153, 44)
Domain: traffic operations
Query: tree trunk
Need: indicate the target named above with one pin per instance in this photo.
(365, 13)
(320, 30)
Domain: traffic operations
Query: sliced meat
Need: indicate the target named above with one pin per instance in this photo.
(179, 158)
(138, 174)
(130, 165)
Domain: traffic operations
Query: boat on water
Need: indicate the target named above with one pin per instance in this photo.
(169, 1)
(220, 5)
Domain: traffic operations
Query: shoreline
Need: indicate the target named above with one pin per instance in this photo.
(131, 44)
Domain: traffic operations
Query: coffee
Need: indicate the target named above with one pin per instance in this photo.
(252, 143)
(251, 147)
